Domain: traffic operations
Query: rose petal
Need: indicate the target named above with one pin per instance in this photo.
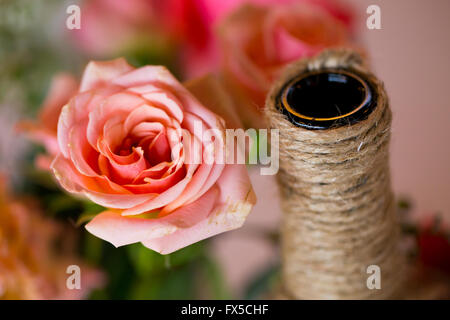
(154, 172)
(223, 218)
(235, 185)
(159, 74)
(168, 102)
(158, 185)
(62, 88)
(118, 201)
(71, 180)
(66, 174)
(81, 151)
(121, 230)
(159, 149)
(147, 129)
(161, 200)
(201, 176)
(125, 173)
(98, 73)
(146, 113)
(68, 117)
(117, 105)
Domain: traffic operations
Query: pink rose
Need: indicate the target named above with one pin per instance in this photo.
(257, 41)
(62, 88)
(122, 145)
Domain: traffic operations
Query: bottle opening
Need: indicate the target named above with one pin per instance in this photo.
(326, 99)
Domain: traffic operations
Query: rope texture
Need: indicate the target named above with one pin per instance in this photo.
(338, 207)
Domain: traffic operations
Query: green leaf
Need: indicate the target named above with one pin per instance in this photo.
(144, 260)
(91, 209)
(147, 288)
(187, 254)
(84, 218)
(92, 248)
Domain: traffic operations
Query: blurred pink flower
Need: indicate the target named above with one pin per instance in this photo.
(257, 42)
(30, 266)
(43, 131)
(108, 27)
(120, 145)
(194, 23)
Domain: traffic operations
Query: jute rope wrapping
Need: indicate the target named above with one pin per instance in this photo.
(338, 208)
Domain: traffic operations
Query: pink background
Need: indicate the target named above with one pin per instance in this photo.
(411, 55)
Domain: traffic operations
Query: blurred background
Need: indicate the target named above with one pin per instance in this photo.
(410, 53)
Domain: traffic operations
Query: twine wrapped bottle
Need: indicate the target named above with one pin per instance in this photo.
(339, 216)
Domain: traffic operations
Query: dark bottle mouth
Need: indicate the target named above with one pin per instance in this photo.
(327, 99)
